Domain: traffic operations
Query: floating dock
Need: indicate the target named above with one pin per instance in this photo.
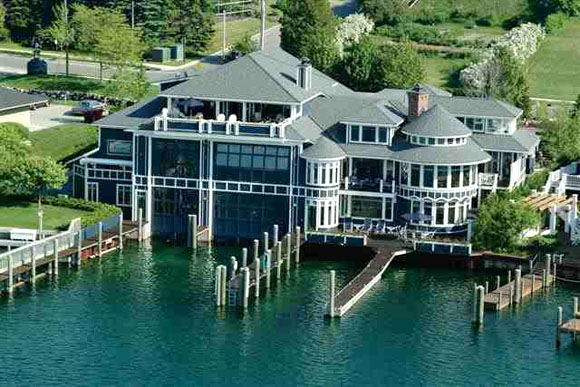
(346, 298)
(571, 326)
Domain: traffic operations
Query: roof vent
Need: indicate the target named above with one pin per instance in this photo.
(304, 78)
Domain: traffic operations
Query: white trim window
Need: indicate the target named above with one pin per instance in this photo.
(124, 195)
(92, 191)
(119, 147)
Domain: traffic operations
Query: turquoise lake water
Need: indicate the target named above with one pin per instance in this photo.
(147, 317)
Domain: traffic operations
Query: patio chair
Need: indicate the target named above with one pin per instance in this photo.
(367, 225)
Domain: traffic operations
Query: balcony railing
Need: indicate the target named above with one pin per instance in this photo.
(354, 183)
(202, 126)
(488, 180)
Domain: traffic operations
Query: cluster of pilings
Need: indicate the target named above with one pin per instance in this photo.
(513, 292)
(571, 326)
(234, 282)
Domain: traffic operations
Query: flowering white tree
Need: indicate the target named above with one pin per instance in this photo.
(521, 43)
(352, 29)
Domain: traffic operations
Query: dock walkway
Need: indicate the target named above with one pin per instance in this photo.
(20, 265)
(364, 281)
(502, 297)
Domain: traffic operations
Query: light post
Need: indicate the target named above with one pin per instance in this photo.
(40, 225)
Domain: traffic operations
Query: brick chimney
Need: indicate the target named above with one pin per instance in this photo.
(418, 101)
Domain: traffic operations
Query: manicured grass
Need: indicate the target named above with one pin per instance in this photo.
(554, 69)
(63, 83)
(236, 30)
(439, 69)
(25, 215)
(64, 142)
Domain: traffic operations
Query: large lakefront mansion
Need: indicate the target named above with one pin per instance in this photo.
(267, 139)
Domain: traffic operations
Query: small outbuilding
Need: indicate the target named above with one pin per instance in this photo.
(16, 106)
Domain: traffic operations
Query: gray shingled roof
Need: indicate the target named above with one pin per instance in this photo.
(323, 149)
(10, 99)
(436, 122)
(303, 129)
(476, 106)
(401, 150)
(522, 141)
(265, 76)
(328, 111)
(136, 116)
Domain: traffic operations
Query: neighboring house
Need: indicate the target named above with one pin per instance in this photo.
(267, 139)
(16, 106)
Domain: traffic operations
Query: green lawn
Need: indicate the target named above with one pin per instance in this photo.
(236, 30)
(64, 142)
(554, 71)
(25, 215)
(439, 69)
(64, 83)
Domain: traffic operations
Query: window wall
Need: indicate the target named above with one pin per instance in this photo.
(253, 163)
(175, 158)
(441, 176)
(369, 134)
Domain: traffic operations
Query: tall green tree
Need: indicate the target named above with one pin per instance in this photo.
(61, 30)
(3, 30)
(357, 68)
(308, 30)
(561, 137)
(191, 22)
(400, 66)
(501, 222)
(18, 19)
(152, 19)
(385, 11)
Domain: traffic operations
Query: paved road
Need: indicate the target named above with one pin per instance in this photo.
(16, 64)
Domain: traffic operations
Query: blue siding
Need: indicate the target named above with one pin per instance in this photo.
(106, 135)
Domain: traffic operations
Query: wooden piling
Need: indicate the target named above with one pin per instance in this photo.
(576, 312)
(518, 286)
(244, 257)
(266, 242)
(475, 286)
(558, 330)
(268, 268)
(548, 265)
(288, 251)
(79, 248)
(497, 282)
(486, 287)
(257, 275)
(55, 268)
(10, 285)
(233, 266)
(256, 250)
(246, 286)
(218, 285)
(332, 295)
(120, 244)
(278, 260)
(100, 237)
(480, 310)
(33, 266)
(554, 273)
(223, 278)
(297, 250)
(275, 237)
(140, 224)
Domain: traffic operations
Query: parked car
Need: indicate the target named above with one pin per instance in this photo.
(88, 106)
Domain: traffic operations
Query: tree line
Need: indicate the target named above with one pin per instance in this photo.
(161, 21)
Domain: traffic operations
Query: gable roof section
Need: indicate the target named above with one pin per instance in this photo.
(522, 141)
(136, 116)
(265, 76)
(11, 99)
(483, 107)
(436, 122)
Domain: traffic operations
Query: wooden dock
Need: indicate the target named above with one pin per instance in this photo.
(363, 282)
(25, 263)
(504, 296)
(571, 326)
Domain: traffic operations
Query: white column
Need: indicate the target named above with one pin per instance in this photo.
(421, 172)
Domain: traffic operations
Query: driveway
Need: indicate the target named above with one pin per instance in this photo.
(51, 116)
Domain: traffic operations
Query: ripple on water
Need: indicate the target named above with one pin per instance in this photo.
(146, 316)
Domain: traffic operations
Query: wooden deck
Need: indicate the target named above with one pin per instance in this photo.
(571, 326)
(365, 280)
(499, 299)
